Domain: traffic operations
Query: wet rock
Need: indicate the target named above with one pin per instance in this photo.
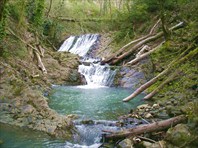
(143, 106)
(17, 102)
(27, 109)
(155, 106)
(4, 106)
(148, 115)
(130, 78)
(154, 112)
(147, 109)
(31, 119)
(162, 115)
(126, 143)
(160, 95)
(51, 129)
(74, 76)
(72, 116)
(159, 144)
(178, 135)
(169, 103)
(87, 122)
(169, 107)
(146, 144)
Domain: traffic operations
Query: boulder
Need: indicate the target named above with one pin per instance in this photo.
(148, 115)
(126, 143)
(160, 144)
(143, 106)
(155, 106)
(178, 135)
(27, 109)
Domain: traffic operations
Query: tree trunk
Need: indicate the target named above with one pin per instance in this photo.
(155, 91)
(141, 129)
(175, 62)
(50, 6)
(35, 50)
(146, 85)
(162, 17)
(40, 63)
(144, 49)
(134, 48)
(121, 50)
(142, 56)
(117, 58)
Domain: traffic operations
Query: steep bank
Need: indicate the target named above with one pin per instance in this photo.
(23, 85)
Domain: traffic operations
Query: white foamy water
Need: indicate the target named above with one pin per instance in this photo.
(79, 45)
(96, 75)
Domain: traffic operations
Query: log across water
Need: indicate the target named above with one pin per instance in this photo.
(141, 129)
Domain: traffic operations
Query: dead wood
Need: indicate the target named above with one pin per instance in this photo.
(35, 51)
(174, 63)
(141, 56)
(117, 58)
(121, 50)
(155, 91)
(142, 129)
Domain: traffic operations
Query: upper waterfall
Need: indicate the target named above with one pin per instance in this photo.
(94, 73)
(79, 44)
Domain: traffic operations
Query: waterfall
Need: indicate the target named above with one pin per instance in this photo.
(96, 74)
(91, 68)
(79, 44)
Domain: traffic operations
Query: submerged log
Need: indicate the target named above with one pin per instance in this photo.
(141, 129)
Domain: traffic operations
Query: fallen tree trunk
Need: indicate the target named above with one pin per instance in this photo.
(155, 91)
(84, 20)
(40, 63)
(175, 62)
(35, 50)
(144, 49)
(133, 42)
(141, 129)
(118, 58)
(142, 56)
(50, 6)
(146, 85)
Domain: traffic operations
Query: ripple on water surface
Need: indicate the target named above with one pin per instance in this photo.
(97, 103)
(92, 102)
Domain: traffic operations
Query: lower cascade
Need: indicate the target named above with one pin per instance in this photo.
(85, 46)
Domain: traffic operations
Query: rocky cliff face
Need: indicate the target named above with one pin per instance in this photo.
(134, 76)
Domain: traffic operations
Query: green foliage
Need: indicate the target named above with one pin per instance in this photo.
(52, 30)
(2, 30)
(127, 23)
(35, 11)
(3, 22)
(17, 12)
